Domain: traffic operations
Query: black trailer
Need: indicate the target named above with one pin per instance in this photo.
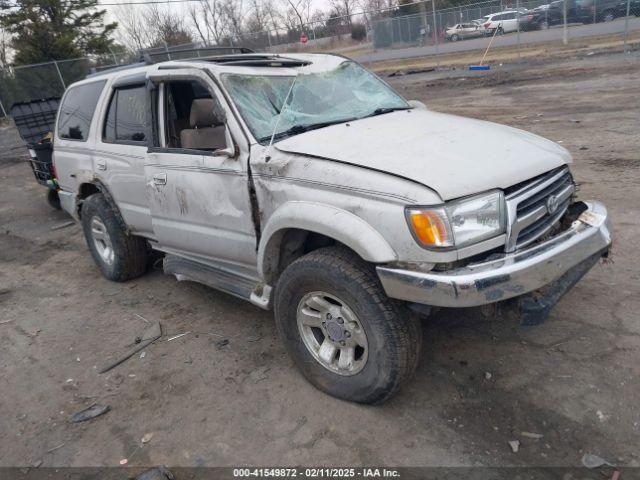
(35, 121)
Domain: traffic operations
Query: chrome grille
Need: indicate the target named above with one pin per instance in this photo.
(534, 207)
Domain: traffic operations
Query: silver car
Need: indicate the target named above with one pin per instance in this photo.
(306, 185)
(463, 31)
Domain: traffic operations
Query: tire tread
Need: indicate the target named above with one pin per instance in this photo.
(132, 252)
(404, 328)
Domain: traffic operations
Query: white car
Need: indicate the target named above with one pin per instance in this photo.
(502, 22)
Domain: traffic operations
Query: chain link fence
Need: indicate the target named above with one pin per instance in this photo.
(24, 83)
(372, 36)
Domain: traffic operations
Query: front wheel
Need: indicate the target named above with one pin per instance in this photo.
(454, 38)
(343, 333)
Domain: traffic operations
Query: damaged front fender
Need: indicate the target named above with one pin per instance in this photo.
(338, 224)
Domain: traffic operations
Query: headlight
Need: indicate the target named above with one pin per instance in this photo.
(460, 222)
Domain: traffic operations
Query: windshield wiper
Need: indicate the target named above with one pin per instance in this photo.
(298, 129)
(383, 110)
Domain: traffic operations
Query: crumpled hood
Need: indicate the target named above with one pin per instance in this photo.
(455, 156)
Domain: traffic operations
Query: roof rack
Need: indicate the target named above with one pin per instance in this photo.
(254, 60)
(149, 58)
(168, 54)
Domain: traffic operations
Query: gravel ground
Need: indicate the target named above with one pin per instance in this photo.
(226, 394)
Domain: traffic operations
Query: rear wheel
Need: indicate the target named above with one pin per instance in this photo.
(544, 25)
(119, 256)
(53, 199)
(343, 333)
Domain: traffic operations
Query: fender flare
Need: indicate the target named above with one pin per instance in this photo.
(338, 224)
(102, 188)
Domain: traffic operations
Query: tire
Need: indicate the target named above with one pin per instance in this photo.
(347, 284)
(454, 38)
(544, 25)
(500, 31)
(53, 199)
(119, 256)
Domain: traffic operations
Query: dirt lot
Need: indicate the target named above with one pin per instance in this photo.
(482, 382)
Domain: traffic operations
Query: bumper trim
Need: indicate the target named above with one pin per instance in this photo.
(511, 275)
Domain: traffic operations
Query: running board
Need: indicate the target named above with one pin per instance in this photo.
(236, 285)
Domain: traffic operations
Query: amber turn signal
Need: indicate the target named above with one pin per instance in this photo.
(430, 227)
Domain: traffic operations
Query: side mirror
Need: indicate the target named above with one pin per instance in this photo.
(417, 104)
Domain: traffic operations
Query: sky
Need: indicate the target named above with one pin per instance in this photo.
(181, 8)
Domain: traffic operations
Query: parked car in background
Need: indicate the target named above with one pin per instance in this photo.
(633, 10)
(605, 10)
(463, 31)
(551, 14)
(529, 21)
(502, 22)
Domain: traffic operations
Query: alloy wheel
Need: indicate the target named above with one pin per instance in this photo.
(102, 241)
(332, 333)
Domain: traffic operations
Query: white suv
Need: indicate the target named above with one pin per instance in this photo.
(306, 185)
(502, 22)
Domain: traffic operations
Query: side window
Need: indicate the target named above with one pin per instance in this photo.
(127, 116)
(76, 111)
(192, 118)
(510, 16)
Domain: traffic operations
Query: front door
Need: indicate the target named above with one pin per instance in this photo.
(196, 179)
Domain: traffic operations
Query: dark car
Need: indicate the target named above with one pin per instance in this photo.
(634, 8)
(546, 16)
(606, 10)
(528, 21)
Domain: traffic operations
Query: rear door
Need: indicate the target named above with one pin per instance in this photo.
(121, 145)
(509, 22)
(469, 29)
(199, 196)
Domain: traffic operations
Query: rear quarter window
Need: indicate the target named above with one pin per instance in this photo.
(77, 109)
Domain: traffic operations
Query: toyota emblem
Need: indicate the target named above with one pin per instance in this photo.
(552, 204)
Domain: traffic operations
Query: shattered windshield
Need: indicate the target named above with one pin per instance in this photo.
(317, 99)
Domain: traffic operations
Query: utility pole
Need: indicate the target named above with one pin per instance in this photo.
(113, 55)
(435, 32)
(626, 26)
(518, 25)
(565, 33)
(64, 87)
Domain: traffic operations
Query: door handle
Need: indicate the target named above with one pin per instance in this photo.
(160, 178)
(101, 165)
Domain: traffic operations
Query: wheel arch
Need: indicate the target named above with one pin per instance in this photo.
(289, 229)
(93, 186)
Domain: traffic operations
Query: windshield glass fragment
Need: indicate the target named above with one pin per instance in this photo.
(317, 99)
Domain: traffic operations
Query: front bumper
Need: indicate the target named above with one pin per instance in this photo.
(509, 276)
